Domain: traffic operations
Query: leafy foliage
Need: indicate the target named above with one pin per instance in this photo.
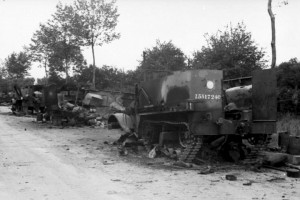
(6, 85)
(3, 72)
(107, 77)
(93, 24)
(42, 81)
(164, 56)
(288, 83)
(56, 46)
(288, 74)
(66, 57)
(3, 80)
(55, 78)
(41, 47)
(232, 50)
(17, 65)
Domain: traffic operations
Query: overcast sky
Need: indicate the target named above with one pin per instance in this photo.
(142, 22)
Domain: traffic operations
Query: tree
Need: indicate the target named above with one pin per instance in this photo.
(42, 81)
(40, 48)
(130, 78)
(164, 56)
(273, 31)
(288, 84)
(3, 72)
(3, 80)
(54, 78)
(17, 65)
(66, 50)
(94, 23)
(232, 50)
(288, 74)
(14, 70)
(55, 46)
(107, 77)
(66, 57)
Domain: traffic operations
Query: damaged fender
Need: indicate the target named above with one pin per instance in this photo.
(121, 120)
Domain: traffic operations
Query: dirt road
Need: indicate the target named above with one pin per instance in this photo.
(38, 161)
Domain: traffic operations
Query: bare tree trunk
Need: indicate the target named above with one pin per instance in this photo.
(273, 42)
(46, 72)
(94, 68)
(67, 71)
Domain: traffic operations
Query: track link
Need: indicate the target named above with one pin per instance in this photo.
(190, 153)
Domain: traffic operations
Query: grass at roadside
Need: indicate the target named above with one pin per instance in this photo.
(289, 122)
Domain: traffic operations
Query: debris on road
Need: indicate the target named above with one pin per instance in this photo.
(207, 170)
(123, 151)
(152, 153)
(294, 173)
(248, 183)
(276, 179)
(230, 177)
(274, 158)
(108, 162)
(115, 179)
(182, 164)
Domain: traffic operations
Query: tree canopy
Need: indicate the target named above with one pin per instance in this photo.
(17, 65)
(40, 48)
(288, 84)
(107, 77)
(164, 56)
(93, 23)
(232, 50)
(3, 72)
(55, 46)
(288, 74)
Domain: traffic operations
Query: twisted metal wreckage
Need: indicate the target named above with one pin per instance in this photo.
(68, 104)
(203, 113)
(187, 115)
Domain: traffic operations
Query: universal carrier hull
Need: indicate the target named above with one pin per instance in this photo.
(200, 106)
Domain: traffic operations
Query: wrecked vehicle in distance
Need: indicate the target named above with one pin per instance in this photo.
(72, 105)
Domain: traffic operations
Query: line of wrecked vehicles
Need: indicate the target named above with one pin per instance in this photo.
(68, 105)
(195, 111)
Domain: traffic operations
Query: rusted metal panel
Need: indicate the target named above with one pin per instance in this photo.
(264, 98)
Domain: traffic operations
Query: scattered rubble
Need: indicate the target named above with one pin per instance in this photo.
(274, 158)
(248, 183)
(276, 179)
(95, 107)
(152, 153)
(122, 151)
(182, 164)
(108, 162)
(230, 177)
(207, 170)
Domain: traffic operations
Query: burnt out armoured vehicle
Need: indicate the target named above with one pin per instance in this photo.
(202, 109)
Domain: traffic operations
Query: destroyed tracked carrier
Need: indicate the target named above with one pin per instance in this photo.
(202, 104)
